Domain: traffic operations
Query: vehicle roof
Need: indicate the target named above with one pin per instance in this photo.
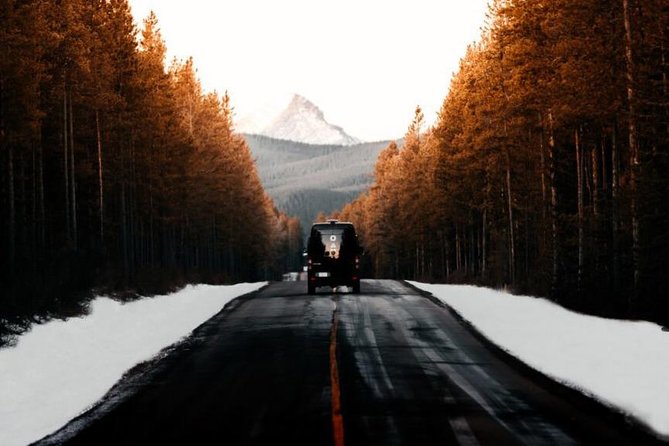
(333, 224)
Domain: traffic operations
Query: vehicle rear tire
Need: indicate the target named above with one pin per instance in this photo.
(311, 289)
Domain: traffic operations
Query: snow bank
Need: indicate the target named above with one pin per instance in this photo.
(59, 369)
(624, 364)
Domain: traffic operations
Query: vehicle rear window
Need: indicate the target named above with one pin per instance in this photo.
(332, 241)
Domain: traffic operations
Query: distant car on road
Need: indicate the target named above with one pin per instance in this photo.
(291, 277)
(333, 256)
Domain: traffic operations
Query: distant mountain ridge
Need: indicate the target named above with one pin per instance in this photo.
(305, 179)
(302, 121)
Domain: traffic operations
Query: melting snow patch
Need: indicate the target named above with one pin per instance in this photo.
(59, 369)
(624, 364)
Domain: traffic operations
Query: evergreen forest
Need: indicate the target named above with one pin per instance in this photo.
(118, 174)
(547, 171)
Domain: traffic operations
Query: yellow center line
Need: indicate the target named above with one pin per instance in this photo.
(337, 420)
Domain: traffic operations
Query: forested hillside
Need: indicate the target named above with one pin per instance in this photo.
(117, 172)
(548, 169)
(305, 179)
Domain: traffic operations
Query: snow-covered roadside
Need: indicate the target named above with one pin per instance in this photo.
(624, 364)
(59, 369)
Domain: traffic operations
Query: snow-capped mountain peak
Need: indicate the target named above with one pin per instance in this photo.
(300, 105)
(303, 121)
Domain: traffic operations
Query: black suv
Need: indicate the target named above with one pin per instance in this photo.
(333, 256)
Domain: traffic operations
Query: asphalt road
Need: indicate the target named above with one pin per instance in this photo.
(386, 367)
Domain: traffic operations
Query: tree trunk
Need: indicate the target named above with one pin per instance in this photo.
(633, 145)
(483, 244)
(594, 159)
(66, 167)
(665, 82)
(526, 261)
(21, 200)
(12, 207)
(132, 212)
(40, 190)
(457, 248)
(33, 204)
(465, 250)
(475, 248)
(604, 180)
(152, 245)
(579, 201)
(509, 202)
(73, 182)
(100, 180)
(542, 157)
(615, 258)
(124, 216)
(36, 246)
(554, 207)
(595, 226)
(447, 248)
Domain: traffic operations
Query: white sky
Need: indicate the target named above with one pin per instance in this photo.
(365, 63)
